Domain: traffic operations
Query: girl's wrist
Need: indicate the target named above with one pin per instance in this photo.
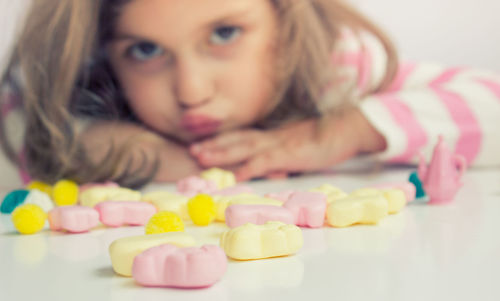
(369, 139)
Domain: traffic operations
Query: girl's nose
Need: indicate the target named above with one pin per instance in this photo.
(193, 84)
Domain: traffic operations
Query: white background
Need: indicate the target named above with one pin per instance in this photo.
(454, 32)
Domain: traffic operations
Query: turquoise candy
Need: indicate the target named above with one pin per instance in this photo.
(12, 200)
(418, 185)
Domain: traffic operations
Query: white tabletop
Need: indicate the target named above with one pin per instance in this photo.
(426, 252)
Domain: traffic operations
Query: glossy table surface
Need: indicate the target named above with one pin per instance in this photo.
(448, 252)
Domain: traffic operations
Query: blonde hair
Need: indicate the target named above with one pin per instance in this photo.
(63, 72)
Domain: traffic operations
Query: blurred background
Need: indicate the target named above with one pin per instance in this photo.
(454, 32)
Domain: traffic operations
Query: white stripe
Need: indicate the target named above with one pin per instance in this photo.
(378, 115)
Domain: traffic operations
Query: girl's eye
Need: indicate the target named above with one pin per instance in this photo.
(144, 51)
(224, 35)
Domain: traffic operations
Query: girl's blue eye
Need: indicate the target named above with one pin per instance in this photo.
(224, 34)
(144, 51)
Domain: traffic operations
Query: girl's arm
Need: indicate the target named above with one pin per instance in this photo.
(427, 100)
(174, 161)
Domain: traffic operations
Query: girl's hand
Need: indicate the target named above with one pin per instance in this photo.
(297, 147)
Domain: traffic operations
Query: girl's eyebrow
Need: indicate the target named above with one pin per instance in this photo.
(224, 19)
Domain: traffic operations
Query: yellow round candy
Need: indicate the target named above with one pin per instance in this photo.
(222, 178)
(39, 185)
(65, 193)
(29, 218)
(201, 209)
(164, 221)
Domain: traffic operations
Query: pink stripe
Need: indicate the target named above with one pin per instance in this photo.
(469, 140)
(493, 86)
(401, 77)
(403, 116)
(347, 58)
(445, 77)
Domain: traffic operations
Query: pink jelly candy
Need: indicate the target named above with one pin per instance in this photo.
(234, 190)
(407, 187)
(308, 208)
(122, 213)
(237, 215)
(280, 196)
(194, 185)
(170, 266)
(74, 219)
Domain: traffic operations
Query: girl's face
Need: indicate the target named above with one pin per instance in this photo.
(192, 68)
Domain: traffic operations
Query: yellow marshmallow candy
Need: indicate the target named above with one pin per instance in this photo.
(251, 241)
(39, 185)
(357, 210)
(168, 201)
(201, 209)
(222, 178)
(332, 193)
(123, 251)
(241, 199)
(164, 221)
(95, 195)
(395, 197)
(29, 218)
(65, 193)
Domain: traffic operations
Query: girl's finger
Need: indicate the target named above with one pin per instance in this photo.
(261, 165)
(277, 175)
(232, 155)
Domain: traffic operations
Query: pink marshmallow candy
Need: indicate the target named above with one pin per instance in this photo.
(308, 208)
(234, 190)
(74, 219)
(237, 215)
(407, 187)
(280, 196)
(194, 185)
(122, 213)
(170, 266)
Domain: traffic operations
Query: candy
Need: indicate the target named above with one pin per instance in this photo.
(308, 208)
(12, 200)
(42, 186)
(407, 187)
(414, 179)
(396, 198)
(94, 185)
(170, 266)
(164, 221)
(261, 241)
(234, 190)
(237, 215)
(93, 196)
(332, 193)
(120, 213)
(74, 219)
(194, 185)
(243, 199)
(65, 193)
(201, 209)
(29, 219)
(357, 210)
(168, 201)
(123, 251)
(222, 178)
(281, 196)
(39, 198)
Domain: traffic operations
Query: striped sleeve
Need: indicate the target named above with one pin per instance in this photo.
(424, 101)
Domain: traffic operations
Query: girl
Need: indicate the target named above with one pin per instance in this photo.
(134, 90)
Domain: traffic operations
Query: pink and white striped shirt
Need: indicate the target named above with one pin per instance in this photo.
(424, 101)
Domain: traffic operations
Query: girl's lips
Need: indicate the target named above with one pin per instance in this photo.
(200, 124)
